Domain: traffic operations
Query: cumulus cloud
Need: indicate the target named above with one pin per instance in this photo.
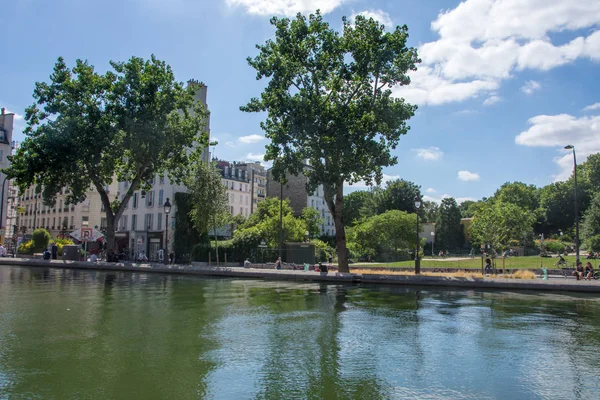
(255, 157)
(251, 139)
(430, 190)
(559, 131)
(467, 176)
(491, 100)
(430, 153)
(530, 86)
(378, 15)
(482, 42)
(285, 7)
(592, 107)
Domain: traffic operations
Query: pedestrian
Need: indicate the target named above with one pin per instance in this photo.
(488, 266)
(54, 251)
(247, 263)
(278, 263)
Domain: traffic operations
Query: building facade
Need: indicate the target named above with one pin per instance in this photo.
(295, 190)
(7, 204)
(142, 227)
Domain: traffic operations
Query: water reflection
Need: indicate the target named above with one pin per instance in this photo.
(87, 334)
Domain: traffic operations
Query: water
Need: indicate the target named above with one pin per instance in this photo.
(101, 335)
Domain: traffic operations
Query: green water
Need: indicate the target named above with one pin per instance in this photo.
(104, 335)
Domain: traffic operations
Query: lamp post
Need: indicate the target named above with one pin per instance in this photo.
(2, 203)
(432, 240)
(280, 219)
(167, 207)
(418, 204)
(571, 147)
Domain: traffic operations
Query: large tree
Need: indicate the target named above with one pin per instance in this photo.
(399, 195)
(448, 231)
(498, 223)
(358, 205)
(329, 103)
(86, 129)
(519, 194)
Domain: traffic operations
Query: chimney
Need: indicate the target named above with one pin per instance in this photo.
(3, 110)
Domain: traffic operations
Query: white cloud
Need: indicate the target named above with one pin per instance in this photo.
(378, 15)
(430, 153)
(592, 107)
(229, 143)
(530, 86)
(255, 157)
(482, 42)
(468, 176)
(251, 139)
(559, 131)
(463, 199)
(285, 7)
(491, 100)
(430, 190)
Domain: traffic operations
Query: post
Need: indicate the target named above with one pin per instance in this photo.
(417, 261)
(576, 207)
(167, 209)
(2, 204)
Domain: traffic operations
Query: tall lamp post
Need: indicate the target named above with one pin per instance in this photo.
(418, 204)
(571, 147)
(167, 207)
(432, 240)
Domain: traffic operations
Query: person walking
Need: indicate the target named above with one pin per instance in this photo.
(278, 263)
(488, 266)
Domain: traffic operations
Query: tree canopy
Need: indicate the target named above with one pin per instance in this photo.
(328, 102)
(86, 129)
(449, 233)
(208, 197)
(498, 223)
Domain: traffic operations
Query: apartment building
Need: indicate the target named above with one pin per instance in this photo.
(143, 224)
(295, 191)
(7, 205)
(239, 187)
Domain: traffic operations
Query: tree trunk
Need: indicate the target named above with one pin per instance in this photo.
(110, 232)
(335, 208)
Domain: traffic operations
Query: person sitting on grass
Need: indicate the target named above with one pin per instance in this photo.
(578, 271)
(488, 266)
(589, 271)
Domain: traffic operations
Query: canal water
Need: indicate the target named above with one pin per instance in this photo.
(67, 334)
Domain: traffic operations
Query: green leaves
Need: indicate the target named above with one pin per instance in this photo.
(498, 223)
(208, 196)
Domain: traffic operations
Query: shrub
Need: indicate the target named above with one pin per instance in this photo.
(60, 243)
(322, 250)
(593, 243)
(552, 246)
(26, 247)
(40, 238)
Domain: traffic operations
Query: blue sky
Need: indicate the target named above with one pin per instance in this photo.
(503, 86)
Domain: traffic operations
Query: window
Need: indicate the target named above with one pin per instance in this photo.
(1, 150)
(312, 204)
(53, 222)
(159, 222)
(103, 223)
(43, 222)
(124, 226)
(148, 222)
(73, 221)
(150, 199)
(229, 207)
(242, 210)
(102, 208)
(85, 220)
(126, 184)
(160, 197)
(133, 222)
(135, 200)
(161, 180)
(240, 186)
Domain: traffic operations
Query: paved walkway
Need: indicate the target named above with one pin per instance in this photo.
(553, 284)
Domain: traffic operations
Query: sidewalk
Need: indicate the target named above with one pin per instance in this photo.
(560, 284)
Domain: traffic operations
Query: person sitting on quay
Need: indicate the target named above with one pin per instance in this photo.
(278, 263)
(247, 263)
(578, 271)
(589, 271)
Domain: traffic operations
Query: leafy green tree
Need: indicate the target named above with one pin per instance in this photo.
(557, 200)
(358, 205)
(383, 236)
(498, 223)
(448, 231)
(208, 196)
(430, 211)
(329, 102)
(519, 194)
(591, 220)
(87, 128)
(313, 221)
(469, 208)
(40, 238)
(591, 171)
(399, 195)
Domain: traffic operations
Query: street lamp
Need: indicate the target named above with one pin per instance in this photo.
(167, 207)
(418, 204)
(571, 147)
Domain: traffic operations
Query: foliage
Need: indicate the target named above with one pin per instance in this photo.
(322, 250)
(520, 194)
(593, 243)
(26, 247)
(591, 170)
(591, 220)
(498, 223)
(87, 128)
(312, 221)
(399, 195)
(469, 208)
(552, 246)
(328, 102)
(186, 236)
(557, 200)
(384, 236)
(430, 211)
(448, 231)
(358, 205)
(41, 238)
(208, 198)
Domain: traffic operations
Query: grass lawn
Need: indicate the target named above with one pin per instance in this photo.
(530, 262)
